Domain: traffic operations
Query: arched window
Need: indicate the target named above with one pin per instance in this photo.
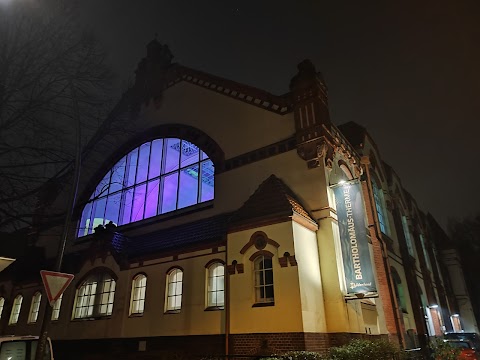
(425, 253)
(56, 308)
(137, 299)
(95, 296)
(2, 304)
(263, 272)
(17, 306)
(408, 237)
(399, 291)
(35, 308)
(155, 178)
(216, 285)
(174, 290)
(379, 205)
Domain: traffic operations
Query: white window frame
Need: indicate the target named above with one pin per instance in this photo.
(261, 283)
(2, 305)
(174, 291)
(16, 308)
(35, 307)
(56, 308)
(95, 297)
(137, 297)
(216, 285)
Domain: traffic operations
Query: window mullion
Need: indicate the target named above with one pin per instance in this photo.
(178, 177)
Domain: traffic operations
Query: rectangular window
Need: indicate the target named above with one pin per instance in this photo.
(264, 280)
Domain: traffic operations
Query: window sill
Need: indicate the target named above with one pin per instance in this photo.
(172, 312)
(214, 308)
(92, 318)
(136, 315)
(263, 304)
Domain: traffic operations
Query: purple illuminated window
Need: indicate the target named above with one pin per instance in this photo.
(157, 177)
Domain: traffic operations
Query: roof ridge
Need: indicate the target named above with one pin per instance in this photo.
(272, 198)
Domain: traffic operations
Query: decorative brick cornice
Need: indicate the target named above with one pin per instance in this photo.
(248, 94)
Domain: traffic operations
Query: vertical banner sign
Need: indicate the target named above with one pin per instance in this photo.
(357, 264)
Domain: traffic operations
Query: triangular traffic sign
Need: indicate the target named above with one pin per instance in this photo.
(55, 284)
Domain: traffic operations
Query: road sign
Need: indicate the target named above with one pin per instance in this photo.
(55, 284)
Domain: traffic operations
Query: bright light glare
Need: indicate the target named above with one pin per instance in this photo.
(341, 182)
(433, 306)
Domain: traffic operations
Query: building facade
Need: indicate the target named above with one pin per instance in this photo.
(217, 218)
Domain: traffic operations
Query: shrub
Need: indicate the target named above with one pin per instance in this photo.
(444, 351)
(297, 355)
(366, 350)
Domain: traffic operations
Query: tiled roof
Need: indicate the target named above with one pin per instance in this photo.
(210, 230)
(273, 198)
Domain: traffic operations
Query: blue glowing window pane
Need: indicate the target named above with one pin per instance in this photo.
(127, 199)
(189, 154)
(102, 187)
(143, 160)
(85, 220)
(169, 192)
(188, 189)
(155, 159)
(138, 203)
(173, 155)
(152, 198)
(118, 172)
(113, 208)
(207, 183)
(131, 167)
(99, 212)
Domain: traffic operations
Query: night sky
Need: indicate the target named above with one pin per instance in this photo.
(406, 70)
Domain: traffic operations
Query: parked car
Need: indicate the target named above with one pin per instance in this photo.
(467, 349)
(470, 336)
(22, 348)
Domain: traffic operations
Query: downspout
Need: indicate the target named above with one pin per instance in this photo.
(227, 301)
(365, 162)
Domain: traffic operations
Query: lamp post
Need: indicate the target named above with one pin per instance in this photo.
(42, 341)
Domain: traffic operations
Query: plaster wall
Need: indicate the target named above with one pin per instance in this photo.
(286, 314)
(310, 280)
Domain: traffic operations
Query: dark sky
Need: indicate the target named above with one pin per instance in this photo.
(406, 70)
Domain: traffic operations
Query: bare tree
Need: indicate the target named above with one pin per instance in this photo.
(45, 59)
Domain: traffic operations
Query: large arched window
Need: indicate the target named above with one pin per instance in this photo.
(155, 178)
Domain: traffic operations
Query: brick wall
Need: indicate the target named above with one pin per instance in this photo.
(277, 343)
(194, 347)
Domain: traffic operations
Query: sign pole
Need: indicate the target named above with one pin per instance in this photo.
(42, 341)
